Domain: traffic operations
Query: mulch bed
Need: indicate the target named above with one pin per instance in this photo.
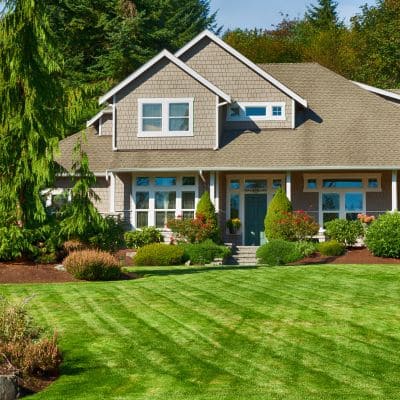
(354, 255)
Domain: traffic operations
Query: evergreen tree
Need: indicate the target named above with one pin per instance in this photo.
(31, 109)
(279, 205)
(206, 208)
(323, 15)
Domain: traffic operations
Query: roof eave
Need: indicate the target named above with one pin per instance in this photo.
(381, 92)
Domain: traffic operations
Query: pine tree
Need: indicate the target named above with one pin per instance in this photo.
(324, 15)
(31, 109)
(279, 205)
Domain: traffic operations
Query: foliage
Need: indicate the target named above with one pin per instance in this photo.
(365, 219)
(92, 265)
(73, 245)
(22, 344)
(331, 248)
(344, 231)
(306, 248)
(324, 15)
(32, 108)
(205, 252)
(159, 254)
(195, 230)
(278, 252)
(142, 237)
(233, 224)
(296, 225)
(383, 236)
(205, 209)
(278, 206)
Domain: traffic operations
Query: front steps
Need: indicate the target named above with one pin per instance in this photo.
(243, 255)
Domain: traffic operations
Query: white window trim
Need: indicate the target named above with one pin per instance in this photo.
(268, 117)
(363, 176)
(241, 192)
(152, 189)
(165, 102)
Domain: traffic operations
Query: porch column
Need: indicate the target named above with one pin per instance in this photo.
(212, 187)
(217, 192)
(289, 185)
(112, 193)
(394, 191)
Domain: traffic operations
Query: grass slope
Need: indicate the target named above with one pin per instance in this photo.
(315, 332)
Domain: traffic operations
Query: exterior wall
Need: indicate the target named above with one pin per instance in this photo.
(123, 187)
(235, 78)
(378, 202)
(306, 201)
(101, 188)
(106, 125)
(165, 80)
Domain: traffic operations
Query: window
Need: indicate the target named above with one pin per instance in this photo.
(276, 183)
(373, 183)
(165, 117)
(255, 185)
(160, 198)
(311, 184)
(256, 111)
(342, 183)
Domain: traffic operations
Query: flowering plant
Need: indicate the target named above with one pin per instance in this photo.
(296, 225)
(233, 224)
(365, 219)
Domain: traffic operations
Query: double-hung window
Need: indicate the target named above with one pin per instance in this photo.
(165, 117)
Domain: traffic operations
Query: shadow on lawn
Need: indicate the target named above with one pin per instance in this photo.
(147, 271)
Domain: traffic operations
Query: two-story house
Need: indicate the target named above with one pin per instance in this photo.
(207, 118)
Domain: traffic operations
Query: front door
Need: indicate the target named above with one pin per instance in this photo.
(255, 210)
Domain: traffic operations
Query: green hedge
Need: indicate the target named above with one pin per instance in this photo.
(143, 237)
(278, 252)
(331, 248)
(159, 254)
(204, 253)
(344, 231)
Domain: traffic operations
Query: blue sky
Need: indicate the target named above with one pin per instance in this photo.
(264, 13)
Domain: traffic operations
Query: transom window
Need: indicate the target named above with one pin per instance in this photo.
(256, 111)
(160, 198)
(165, 117)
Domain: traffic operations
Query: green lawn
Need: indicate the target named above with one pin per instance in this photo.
(314, 332)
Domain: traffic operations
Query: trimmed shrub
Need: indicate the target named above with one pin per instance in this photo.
(279, 205)
(306, 248)
(159, 254)
(195, 230)
(204, 253)
(331, 248)
(344, 231)
(278, 252)
(294, 226)
(383, 236)
(205, 208)
(143, 237)
(92, 265)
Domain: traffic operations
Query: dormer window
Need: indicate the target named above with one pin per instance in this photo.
(256, 111)
(165, 117)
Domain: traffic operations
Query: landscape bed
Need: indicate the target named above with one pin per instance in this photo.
(304, 332)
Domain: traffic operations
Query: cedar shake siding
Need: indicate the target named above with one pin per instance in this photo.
(238, 80)
(106, 124)
(165, 80)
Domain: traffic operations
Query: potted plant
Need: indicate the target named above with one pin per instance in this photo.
(233, 224)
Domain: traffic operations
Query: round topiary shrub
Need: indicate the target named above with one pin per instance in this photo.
(278, 252)
(344, 231)
(159, 254)
(331, 248)
(383, 236)
(92, 265)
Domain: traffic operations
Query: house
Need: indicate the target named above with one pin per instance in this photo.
(207, 118)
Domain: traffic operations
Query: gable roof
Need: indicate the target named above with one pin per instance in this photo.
(178, 63)
(393, 93)
(107, 110)
(264, 74)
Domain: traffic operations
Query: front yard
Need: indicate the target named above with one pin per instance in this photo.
(310, 332)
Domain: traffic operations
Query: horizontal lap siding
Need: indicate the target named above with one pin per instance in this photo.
(237, 80)
(381, 201)
(306, 201)
(166, 80)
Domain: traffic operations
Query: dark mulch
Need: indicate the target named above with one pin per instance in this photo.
(354, 255)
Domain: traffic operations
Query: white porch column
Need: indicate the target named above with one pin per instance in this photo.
(112, 193)
(217, 192)
(289, 185)
(394, 191)
(212, 187)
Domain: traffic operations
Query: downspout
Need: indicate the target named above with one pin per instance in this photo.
(217, 106)
(202, 176)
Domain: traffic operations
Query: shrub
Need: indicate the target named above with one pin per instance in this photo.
(92, 265)
(204, 253)
(205, 209)
(108, 237)
(195, 230)
(278, 252)
(279, 205)
(293, 226)
(383, 236)
(331, 248)
(22, 344)
(159, 254)
(143, 237)
(344, 231)
(73, 245)
(306, 248)
(15, 242)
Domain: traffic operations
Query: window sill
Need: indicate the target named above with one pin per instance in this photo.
(163, 135)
